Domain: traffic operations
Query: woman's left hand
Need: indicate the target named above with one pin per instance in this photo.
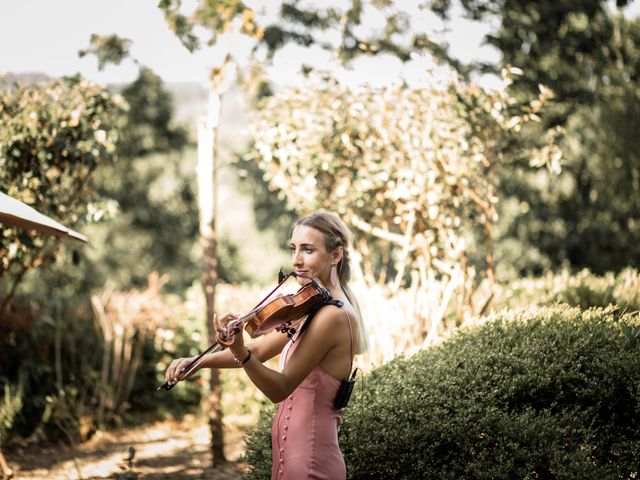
(229, 332)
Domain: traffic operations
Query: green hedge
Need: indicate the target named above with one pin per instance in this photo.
(583, 289)
(552, 393)
(257, 454)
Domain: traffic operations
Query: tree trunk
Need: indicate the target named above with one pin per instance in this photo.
(207, 191)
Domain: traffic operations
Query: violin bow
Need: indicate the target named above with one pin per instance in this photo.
(216, 347)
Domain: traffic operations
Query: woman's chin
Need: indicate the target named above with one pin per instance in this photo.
(302, 281)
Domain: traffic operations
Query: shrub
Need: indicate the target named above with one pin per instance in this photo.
(257, 454)
(552, 393)
(10, 406)
(58, 353)
(583, 290)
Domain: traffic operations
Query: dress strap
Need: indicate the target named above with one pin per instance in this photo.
(350, 340)
(305, 325)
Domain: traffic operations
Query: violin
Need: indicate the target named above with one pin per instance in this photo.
(276, 314)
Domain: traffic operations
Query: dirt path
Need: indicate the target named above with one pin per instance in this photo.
(165, 450)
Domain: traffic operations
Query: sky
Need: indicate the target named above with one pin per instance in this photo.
(45, 36)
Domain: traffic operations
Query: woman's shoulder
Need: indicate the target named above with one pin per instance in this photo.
(332, 315)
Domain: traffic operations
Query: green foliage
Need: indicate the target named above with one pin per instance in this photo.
(584, 290)
(10, 407)
(270, 207)
(180, 334)
(302, 24)
(149, 223)
(568, 46)
(60, 354)
(213, 16)
(155, 227)
(308, 25)
(588, 215)
(258, 445)
(52, 139)
(587, 53)
(155, 224)
(549, 393)
(412, 169)
(59, 371)
(107, 49)
(149, 124)
(340, 29)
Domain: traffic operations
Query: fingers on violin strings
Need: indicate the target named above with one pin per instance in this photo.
(219, 324)
(222, 338)
(221, 321)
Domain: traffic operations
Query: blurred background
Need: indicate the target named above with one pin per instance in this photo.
(484, 154)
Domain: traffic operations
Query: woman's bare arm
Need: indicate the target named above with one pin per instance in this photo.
(263, 349)
(319, 338)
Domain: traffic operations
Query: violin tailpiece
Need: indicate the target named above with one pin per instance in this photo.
(287, 329)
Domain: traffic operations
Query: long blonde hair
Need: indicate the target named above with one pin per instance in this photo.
(337, 234)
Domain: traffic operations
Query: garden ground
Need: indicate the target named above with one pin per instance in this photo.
(169, 449)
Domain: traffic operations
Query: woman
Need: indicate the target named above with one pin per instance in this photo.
(312, 363)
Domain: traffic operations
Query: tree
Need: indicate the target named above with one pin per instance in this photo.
(52, 139)
(107, 49)
(221, 15)
(587, 53)
(153, 225)
(340, 29)
(567, 46)
(217, 19)
(413, 171)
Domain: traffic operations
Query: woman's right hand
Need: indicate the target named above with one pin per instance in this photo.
(172, 374)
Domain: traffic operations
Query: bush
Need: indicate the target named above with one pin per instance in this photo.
(55, 356)
(10, 406)
(257, 454)
(584, 290)
(552, 393)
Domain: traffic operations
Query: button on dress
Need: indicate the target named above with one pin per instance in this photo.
(304, 435)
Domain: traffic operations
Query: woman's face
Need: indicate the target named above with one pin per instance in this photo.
(309, 254)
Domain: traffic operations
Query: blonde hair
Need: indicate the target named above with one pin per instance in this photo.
(337, 234)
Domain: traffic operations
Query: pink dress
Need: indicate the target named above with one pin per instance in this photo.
(304, 435)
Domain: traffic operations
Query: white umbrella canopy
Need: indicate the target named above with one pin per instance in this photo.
(14, 213)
